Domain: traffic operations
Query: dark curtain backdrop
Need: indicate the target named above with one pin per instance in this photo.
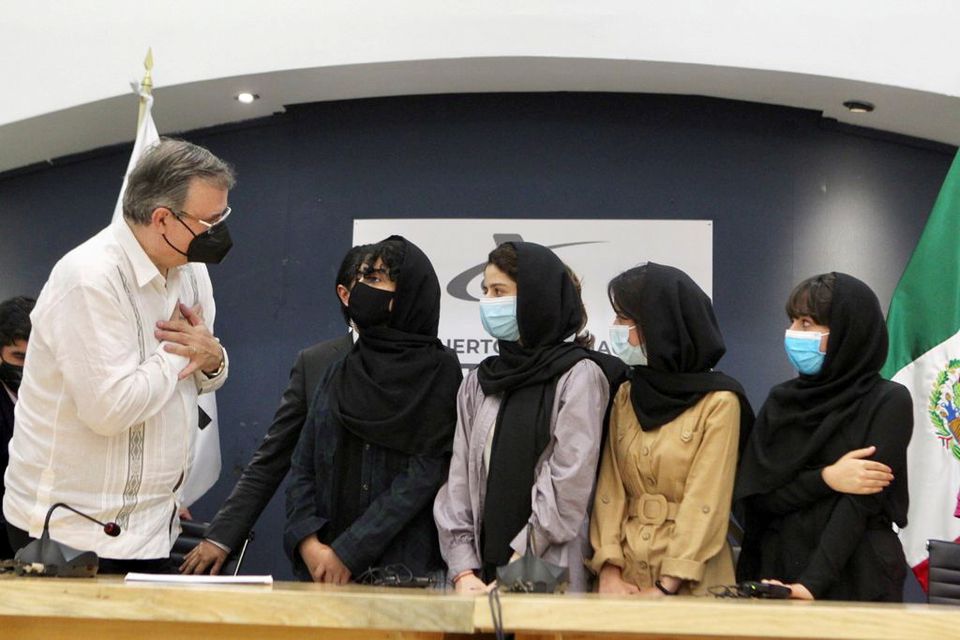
(790, 194)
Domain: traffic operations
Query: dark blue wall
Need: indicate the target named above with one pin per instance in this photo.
(790, 195)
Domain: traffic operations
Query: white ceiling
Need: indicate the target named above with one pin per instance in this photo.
(65, 66)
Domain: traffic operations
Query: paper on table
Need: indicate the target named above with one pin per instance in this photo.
(196, 579)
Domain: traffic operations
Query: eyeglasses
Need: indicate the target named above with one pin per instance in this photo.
(368, 274)
(217, 219)
(370, 271)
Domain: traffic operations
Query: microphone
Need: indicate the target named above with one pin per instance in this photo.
(47, 557)
(112, 529)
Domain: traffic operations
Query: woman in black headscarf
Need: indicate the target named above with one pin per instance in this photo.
(660, 515)
(529, 425)
(376, 444)
(824, 475)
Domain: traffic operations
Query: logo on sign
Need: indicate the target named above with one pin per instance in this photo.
(457, 287)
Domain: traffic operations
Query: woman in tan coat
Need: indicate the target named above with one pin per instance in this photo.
(662, 504)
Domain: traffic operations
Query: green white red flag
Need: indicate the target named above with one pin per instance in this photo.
(924, 327)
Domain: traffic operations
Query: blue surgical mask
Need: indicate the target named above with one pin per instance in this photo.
(499, 317)
(621, 347)
(803, 350)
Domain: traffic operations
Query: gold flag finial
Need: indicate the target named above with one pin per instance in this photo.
(147, 83)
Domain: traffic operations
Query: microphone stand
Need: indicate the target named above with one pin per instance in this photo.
(47, 557)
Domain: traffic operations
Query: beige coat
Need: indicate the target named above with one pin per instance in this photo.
(663, 496)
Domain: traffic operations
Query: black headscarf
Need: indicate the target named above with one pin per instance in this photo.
(683, 344)
(802, 414)
(397, 387)
(549, 310)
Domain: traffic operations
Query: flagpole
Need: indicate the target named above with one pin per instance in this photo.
(146, 85)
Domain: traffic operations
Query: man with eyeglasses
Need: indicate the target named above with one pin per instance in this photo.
(121, 347)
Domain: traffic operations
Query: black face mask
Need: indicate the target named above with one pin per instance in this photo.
(369, 306)
(11, 375)
(209, 247)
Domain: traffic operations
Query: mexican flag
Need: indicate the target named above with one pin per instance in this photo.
(924, 326)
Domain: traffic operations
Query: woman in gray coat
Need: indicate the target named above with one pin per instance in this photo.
(529, 426)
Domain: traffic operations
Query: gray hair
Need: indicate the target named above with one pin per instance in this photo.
(162, 177)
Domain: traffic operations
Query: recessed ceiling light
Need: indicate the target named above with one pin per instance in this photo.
(246, 98)
(859, 106)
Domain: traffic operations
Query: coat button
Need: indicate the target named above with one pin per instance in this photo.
(706, 509)
(367, 446)
(646, 451)
(642, 565)
(365, 486)
(646, 535)
(605, 499)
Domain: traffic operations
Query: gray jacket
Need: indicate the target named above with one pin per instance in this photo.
(565, 476)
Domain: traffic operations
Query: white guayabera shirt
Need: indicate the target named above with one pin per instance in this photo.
(102, 423)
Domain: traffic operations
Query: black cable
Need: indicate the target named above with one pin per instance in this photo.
(725, 591)
(496, 613)
(395, 575)
(750, 589)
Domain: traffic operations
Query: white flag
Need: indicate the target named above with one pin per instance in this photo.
(204, 466)
(147, 136)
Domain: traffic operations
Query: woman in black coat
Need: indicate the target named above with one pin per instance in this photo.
(376, 444)
(823, 478)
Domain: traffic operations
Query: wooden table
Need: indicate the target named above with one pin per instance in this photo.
(577, 617)
(107, 609)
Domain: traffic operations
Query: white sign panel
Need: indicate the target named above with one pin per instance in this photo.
(596, 250)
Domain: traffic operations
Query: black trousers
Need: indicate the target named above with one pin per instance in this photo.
(6, 551)
(20, 538)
